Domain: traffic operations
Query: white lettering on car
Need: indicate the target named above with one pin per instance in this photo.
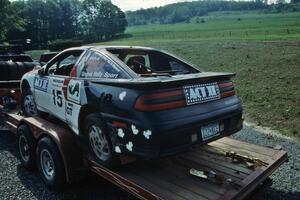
(41, 83)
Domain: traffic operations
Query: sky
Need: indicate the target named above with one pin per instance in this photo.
(126, 5)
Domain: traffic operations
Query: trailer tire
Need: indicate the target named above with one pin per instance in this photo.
(97, 134)
(50, 164)
(26, 147)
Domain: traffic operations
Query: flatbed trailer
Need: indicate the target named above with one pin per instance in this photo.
(166, 178)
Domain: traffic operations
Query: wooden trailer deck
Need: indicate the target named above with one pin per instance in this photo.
(169, 178)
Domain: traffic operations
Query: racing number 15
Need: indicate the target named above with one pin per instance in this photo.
(57, 98)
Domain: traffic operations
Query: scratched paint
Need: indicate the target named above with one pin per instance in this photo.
(122, 95)
(147, 134)
(129, 146)
(135, 131)
(121, 133)
(117, 149)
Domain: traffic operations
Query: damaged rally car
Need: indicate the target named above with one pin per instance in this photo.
(133, 101)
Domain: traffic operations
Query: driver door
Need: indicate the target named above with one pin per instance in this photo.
(52, 99)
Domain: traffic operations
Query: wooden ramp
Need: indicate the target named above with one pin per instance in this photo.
(169, 178)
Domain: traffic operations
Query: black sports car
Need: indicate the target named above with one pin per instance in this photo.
(133, 100)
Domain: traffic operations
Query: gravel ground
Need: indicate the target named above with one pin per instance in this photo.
(18, 183)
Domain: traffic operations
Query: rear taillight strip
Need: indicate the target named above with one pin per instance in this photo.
(159, 107)
(227, 94)
(175, 98)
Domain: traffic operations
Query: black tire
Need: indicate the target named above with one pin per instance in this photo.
(94, 120)
(13, 71)
(56, 181)
(26, 147)
(24, 94)
(4, 75)
(20, 70)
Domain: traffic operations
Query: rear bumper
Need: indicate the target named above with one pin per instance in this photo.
(163, 138)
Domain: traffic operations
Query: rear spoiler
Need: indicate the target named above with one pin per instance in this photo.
(162, 81)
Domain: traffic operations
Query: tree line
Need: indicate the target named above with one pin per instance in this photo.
(184, 12)
(44, 21)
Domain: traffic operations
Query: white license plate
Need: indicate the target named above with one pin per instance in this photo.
(201, 93)
(209, 131)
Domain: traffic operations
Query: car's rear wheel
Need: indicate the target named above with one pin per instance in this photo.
(98, 137)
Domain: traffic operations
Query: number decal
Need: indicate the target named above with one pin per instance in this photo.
(57, 98)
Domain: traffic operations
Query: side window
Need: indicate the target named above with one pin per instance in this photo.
(97, 66)
(64, 64)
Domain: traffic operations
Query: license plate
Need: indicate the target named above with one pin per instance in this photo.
(209, 131)
(201, 93)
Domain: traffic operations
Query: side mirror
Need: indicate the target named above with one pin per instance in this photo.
(41, 72)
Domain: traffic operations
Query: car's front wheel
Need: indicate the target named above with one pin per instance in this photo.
(28, 104)
(99, 141)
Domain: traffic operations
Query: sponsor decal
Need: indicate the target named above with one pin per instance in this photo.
(69, 109)
(57, 83)
(201, 93)
(73, 92)
(41, 83)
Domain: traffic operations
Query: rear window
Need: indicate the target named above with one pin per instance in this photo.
(150, 61)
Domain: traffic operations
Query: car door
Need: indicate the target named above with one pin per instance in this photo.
(52, 98)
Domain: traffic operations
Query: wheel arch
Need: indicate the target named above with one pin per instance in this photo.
(84, 111)
(24, 85)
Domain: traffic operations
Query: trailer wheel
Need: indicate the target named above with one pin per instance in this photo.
(99, 141)
(50, 164)
(27, 147)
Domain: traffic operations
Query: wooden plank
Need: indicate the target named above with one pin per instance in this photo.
(248, 146)
(225, 147)
(223, 161)
(202, 160)
(258, 176)
(155, 189)
(167, 184)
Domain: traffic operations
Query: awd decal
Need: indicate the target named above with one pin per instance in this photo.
(73, 92)
(41, 84)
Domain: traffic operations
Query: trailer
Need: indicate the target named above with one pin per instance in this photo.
(218, 170)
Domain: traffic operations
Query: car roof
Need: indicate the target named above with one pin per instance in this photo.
(99, 47)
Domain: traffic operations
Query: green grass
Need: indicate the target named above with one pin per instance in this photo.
(263, 49)
(223, 26)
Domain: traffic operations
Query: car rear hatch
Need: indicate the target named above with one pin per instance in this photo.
(185, 90)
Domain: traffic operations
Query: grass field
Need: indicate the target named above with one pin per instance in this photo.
(263, 49)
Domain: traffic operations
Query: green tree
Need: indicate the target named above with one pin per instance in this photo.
(101, 20)
(9, 19)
